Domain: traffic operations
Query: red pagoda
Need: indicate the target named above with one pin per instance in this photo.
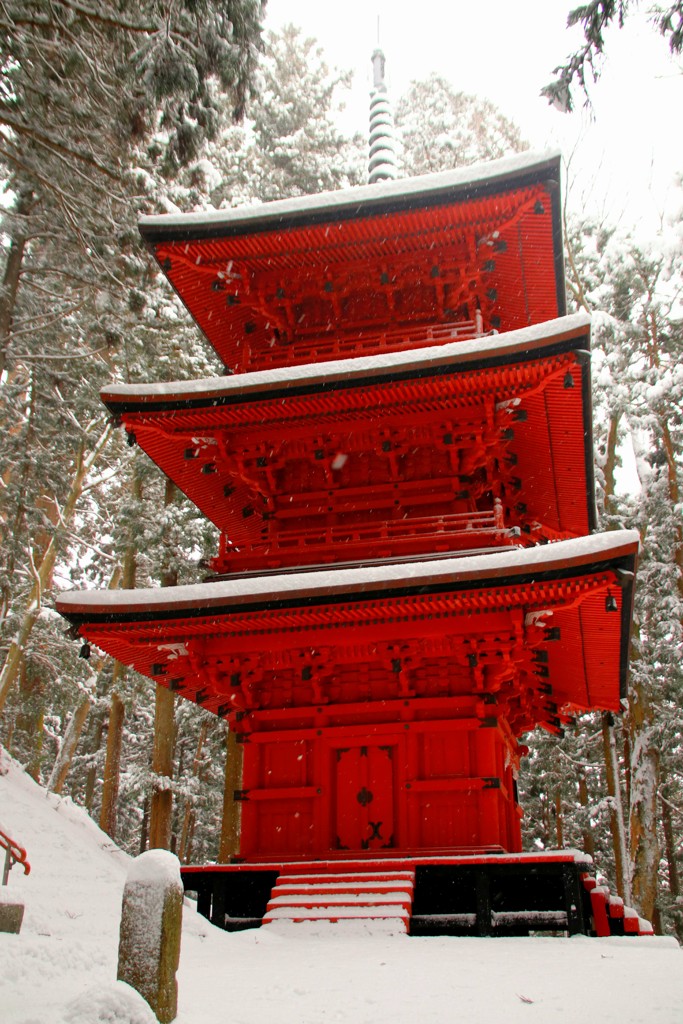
(400, 465)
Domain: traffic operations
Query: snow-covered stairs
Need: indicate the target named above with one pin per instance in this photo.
(382, 898)
(609, 913)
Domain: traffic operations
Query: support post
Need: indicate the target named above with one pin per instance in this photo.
(230, 829)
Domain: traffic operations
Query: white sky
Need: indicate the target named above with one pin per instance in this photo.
(624, 161)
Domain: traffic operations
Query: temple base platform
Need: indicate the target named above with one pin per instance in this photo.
(475, 893)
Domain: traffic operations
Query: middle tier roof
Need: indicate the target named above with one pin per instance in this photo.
(454, 448)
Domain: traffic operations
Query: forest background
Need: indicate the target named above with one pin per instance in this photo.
(113, 110)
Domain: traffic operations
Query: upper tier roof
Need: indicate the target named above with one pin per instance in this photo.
(457, 447)
(369, 269)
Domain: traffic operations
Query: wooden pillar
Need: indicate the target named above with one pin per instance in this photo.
(230, 829)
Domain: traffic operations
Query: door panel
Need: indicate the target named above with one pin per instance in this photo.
(364, 787)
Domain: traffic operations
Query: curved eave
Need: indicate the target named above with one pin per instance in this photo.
(617, 550)
(241, 617)
(565, 334)
(265, 283)
(387, 197)
(555, 445)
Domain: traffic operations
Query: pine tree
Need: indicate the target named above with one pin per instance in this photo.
(596, 17)
(442, 129)
(637, 399)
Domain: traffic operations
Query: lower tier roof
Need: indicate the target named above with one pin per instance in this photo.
(537, 634)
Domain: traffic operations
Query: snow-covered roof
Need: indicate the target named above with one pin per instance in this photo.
(357, 201)
(584, 551)
(453, 353)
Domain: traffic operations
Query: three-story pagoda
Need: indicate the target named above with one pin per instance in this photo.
(399, 462)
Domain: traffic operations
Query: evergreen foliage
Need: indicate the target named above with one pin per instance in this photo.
(441, 128)
(634, 293)
(584, 65)
(118, 321)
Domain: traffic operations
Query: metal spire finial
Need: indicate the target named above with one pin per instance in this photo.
(382, 165)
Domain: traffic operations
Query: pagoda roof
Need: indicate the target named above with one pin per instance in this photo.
(318, 277)
(547, 629)
(441, 430)
(503, 348)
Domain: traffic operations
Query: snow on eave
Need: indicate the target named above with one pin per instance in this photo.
(536, 337)
(562, 555)
(329, 205)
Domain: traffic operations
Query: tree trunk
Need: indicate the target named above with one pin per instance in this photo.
(43, 572)
(62, 765)
(91, 776)
(12, 275)
(161, 804)
(60, 769)
(230, 827)
(672, 864)
(610, 466)
(627, 767)
(588, 843)
(644, 843)
(31, 718)
(189, 813)
(144, 826)
(112, 763)
(616, 808)
(559, 821)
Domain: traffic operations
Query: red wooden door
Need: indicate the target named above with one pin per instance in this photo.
(364, 787)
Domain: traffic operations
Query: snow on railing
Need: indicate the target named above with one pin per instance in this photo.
(14, 854)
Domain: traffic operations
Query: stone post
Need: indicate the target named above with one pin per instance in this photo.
(149, 941)
(11, 910)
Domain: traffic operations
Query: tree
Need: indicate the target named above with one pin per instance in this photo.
(98, 106)
(595, 17)
(86, 92)
(638, 334)
(441, 128)
(296, 148)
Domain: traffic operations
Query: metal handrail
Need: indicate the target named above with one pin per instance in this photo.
(14, 854)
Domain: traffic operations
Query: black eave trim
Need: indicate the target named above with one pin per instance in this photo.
(577, 344)
(626, 562)
(545, 173)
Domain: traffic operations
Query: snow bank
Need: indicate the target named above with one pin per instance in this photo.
(61, 969)
(117, 1003)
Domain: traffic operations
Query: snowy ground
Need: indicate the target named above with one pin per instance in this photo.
(62, 968)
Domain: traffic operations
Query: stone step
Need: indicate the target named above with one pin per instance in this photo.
(319, 899)
(316, 913)
(374, 897)
(303, 888)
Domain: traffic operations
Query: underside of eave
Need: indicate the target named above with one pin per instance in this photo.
(551, 448)
(263, 290)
